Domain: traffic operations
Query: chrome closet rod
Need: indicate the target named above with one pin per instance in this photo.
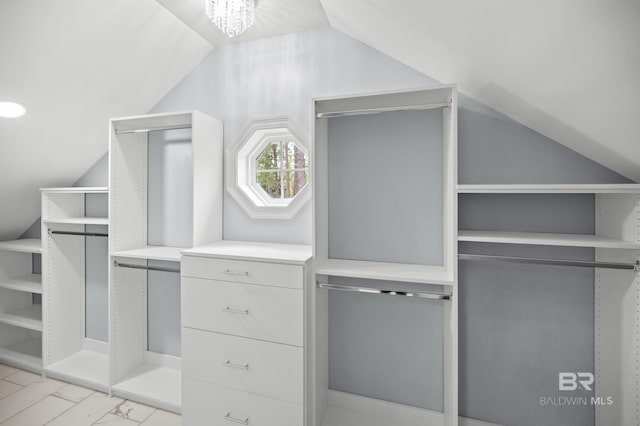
(148, 268)
(557, 262)
(84, 234)
(130, 131)
(369, 290)
(334, 114)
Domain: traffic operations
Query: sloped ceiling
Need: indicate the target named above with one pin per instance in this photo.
(569, 70)
(74, 64)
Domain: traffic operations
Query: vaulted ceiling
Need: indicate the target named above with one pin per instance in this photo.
(569, 70)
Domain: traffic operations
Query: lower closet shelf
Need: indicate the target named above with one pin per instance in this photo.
(28, 317)
(24, 354)
(85, 367)
(155, 385)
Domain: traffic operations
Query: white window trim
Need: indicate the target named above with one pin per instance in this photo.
(240, 162)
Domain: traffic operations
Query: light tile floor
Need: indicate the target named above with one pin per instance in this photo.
(26, 399)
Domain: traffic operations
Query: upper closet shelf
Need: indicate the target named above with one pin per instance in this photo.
(424, 274)
(79, 221)
(171, 254)
(152, 122)
(29, 245)
(31, 283)
(546, 239)
(78, 190)
(623, 188)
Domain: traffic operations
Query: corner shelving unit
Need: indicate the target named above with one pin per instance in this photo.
(408, 250)
(616, 241)
(68, 353)
(137, 372)
(20, 319)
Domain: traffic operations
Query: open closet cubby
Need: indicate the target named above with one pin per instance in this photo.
(616, 240)
(166, 195)
(20, 318)
(75, 230)
(605, 196)
(385, 174)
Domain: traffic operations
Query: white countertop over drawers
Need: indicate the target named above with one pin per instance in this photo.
(261, 252)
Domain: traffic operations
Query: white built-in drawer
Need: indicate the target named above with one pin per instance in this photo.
(212, 405)
(261, 312)
(278, 275)
(264, 368)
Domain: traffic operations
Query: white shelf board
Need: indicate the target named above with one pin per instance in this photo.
(28, 317)
(242, 250)
(26, 354)
(78, 190)
(28, 245)
(171, 254)
(153, 385)
(545, 239)
(31, 283)
(153, 121)
(79, 221)
(385, 271)
(622, 188)
(85, 367)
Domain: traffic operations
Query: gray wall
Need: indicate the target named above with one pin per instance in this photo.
(97, 271)
(170, 199)
(378, 166)
(520, 325)
(170, 223)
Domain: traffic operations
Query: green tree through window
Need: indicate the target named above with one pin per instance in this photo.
(282, 169)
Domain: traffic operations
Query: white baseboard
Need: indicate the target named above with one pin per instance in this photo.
(346, 409)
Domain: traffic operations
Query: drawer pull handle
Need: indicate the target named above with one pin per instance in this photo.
(230, 272)
(234, 420)
(236, 311)
(238, 366)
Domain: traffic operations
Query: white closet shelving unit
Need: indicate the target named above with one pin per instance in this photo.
(337, 408)
(20, 319)
(617, 291)
(68, 354)
(136, 372)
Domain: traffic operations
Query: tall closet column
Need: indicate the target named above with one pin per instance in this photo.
(166, 195)
(385, 173)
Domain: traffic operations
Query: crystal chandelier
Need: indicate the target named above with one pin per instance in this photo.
(233, 17)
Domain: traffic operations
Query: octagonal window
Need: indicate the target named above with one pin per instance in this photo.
(268, 169)
(282, 169)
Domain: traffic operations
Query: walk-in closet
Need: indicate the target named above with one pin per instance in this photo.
(319, 213)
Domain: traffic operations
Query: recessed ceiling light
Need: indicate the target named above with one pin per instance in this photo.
(11, 110)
